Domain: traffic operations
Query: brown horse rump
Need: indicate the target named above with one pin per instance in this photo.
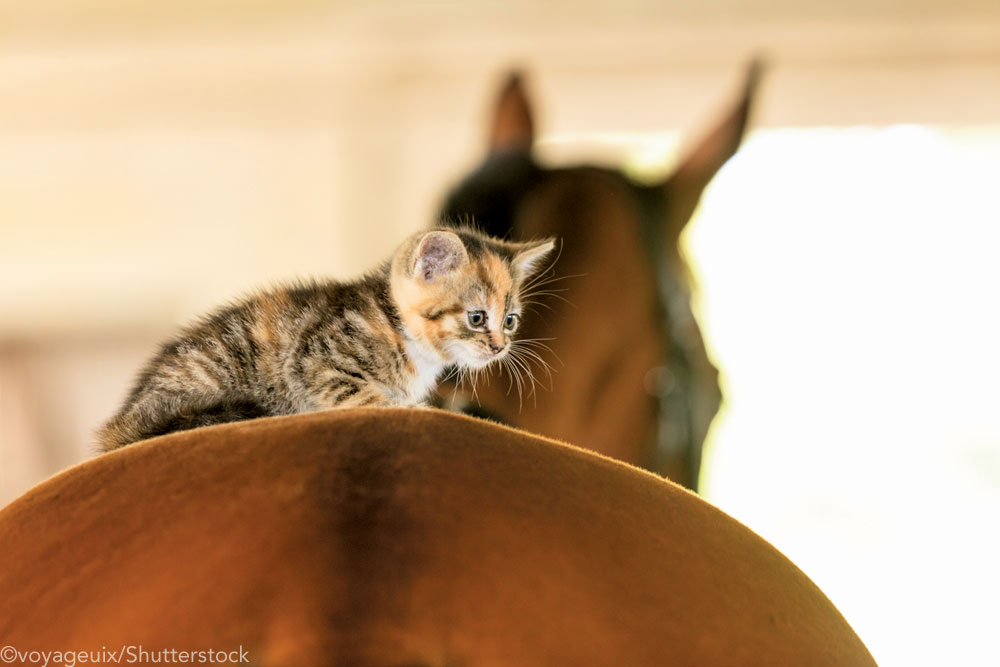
(397, 537)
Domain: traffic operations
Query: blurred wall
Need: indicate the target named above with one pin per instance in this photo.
(158, 158)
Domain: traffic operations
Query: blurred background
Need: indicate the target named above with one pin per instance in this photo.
(158, 158)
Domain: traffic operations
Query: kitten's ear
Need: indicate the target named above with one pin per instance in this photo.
(529, 256)
(513, 127)
(438, 253)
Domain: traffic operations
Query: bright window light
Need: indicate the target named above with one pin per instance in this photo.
(849, 289)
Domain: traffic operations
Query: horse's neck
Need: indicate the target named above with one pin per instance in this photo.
(598, 399)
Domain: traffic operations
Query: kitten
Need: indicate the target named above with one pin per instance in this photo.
(447, 297)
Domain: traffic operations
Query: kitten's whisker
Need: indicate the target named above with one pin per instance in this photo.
(530, 287)
(530, 304)
(551, 278)
(543, 292)
(475, 395)
(453, 399)
(529, 355)
(537, 289)
(510, 375)
(532, 296)
(516, 373)
(535, 341)
(536, 346)
(538, 342)
(535, 280)
(527, 371)
(504, 363)
(553, 295)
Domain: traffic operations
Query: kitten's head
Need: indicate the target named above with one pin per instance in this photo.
(459, 291)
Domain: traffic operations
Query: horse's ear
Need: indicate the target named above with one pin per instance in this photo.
(699, 166)
(513, 126)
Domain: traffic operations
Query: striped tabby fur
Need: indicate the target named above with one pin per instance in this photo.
(445, 298)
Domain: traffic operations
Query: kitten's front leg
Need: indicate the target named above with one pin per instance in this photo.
(351, 392)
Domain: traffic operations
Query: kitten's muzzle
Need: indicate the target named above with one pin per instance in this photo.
(492, 349)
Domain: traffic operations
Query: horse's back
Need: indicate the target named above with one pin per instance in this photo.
(395, 537)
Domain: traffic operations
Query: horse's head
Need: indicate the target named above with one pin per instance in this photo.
(633, 380)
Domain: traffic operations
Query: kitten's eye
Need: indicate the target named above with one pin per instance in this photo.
(510, 321)
(477, 318)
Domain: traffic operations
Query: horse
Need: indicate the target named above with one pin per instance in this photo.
(384, 537)
(634, 380)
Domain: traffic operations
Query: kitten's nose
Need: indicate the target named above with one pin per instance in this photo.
(494, 348)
